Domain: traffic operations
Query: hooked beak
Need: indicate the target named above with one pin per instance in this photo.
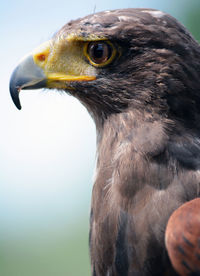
(27, 75)
(50, 67)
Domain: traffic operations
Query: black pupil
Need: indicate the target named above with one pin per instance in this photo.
(98, 50)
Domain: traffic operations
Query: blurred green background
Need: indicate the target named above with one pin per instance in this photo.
(47, 150)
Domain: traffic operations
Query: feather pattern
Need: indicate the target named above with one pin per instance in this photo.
(145, 104)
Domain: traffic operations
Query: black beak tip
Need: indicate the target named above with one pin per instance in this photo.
(14, 92)
(16, 101)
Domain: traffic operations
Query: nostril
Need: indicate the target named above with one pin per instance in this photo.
(41, 57)
(41, 53)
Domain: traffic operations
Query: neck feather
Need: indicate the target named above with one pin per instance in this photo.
(125, 143)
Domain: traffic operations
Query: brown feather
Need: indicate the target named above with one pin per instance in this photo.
(146, 107)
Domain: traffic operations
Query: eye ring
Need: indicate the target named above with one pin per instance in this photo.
(100, 53)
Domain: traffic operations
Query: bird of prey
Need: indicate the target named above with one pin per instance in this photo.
(137, 71)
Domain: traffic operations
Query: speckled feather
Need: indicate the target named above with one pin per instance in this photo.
(146, 106)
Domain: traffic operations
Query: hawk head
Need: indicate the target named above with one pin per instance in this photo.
(118, 60)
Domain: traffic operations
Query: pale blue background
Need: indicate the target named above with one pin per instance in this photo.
(47, 150)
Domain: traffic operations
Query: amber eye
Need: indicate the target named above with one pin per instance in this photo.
(100, 53)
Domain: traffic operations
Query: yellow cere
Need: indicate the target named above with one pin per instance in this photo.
(63, 60)
(41, 53)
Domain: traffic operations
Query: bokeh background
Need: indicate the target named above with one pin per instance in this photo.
(47, 150)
